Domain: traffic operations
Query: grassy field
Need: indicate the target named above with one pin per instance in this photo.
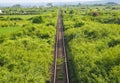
(92, 38)
(9, 30)
(26, 47)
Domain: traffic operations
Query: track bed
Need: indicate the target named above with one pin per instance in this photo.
(60, 59)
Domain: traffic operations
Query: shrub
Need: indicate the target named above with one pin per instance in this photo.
(37, 20)
(95, 14)
(50, 24)
(16, 18)
(3, 60)
(113, 43)
(1, 39)
(71, 12)
(79, 24)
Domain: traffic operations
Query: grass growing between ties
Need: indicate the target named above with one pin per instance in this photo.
(61, 62)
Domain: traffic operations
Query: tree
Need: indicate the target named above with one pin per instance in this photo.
(79, 4)
(111, 3)
(17, 6)
(49, 4)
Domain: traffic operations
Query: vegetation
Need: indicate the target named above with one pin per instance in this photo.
(92, 38)
(37, 19)
(18, 10)
(26, 47)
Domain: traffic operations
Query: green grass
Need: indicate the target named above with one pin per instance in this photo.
(9, 30)
(60, 62)
(93, 48)
(26, 49)
(19, 16)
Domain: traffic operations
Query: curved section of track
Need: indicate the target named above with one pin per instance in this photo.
(60, 73)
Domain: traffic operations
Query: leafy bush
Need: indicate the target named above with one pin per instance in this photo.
(16, 18)
(71, 12)
(95, 14)
(37, 19)
(78, 24)
(113, 43)
(1, 39)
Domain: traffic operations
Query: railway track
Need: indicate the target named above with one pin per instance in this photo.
(60, 70)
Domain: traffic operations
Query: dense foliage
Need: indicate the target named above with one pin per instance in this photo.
(37, 19)
(26, 48)
(93, 44)
(25, 10)
(92, 37)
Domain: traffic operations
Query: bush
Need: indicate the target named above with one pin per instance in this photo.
(71, 12)
(95, 14)
(37, 20)
(113, 43)
(16, 18)
(79, 24)
(3, 60)
(1, 39)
